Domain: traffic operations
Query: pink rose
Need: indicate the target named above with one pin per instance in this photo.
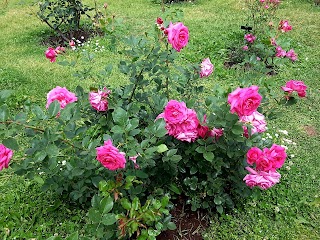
(284, 26)
(297, 86)
(280, 52)
(276, 155)
(245, 48)
(244, 101)
(203, 131)
(250, 38)
(292, 55)
(261, 179)
(264, 163)
(134, 160)
(256, 120)
(110, 157)
(206, 68)
(175, 112)
(62, 95)
(98, 100)
(216, 133)
(272, 176)
(60, 50)
(51, 54)
(178, 35)
(251, 180)
(5, 156)
(253, 155)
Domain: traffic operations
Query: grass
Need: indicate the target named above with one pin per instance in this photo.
(283, 212)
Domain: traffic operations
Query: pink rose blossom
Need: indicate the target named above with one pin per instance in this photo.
(60, 50)
(245, 48)
(5, 156)
(175, 112)
(178, 35)
(51, 54)
(256, 120)
(261, 179)
(134, 160)
(276, 154)
(280, 52)
(294, 85)
(253, 155)
(98, 100)
(244, 101)
(62, 95)
(250, 38)
(266, 6)
(284, 26)
(216, 133)
(264, 163)
(206, 68)
(292, 55)
(110, 157)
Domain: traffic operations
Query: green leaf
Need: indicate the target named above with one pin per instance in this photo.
(237, 129)
(135, 203)
(38, 112)
(125, 204)
(54, 108)
(38, 180)
(5, 94)
(94, 215)
(218, 200)
(106, 204)
(73, 236)
(162, 148)
(173, 187)
(120, 116)
(11, 143)
(4, 113)
(109, 219)
(209, 156)
(219, 209)
(171, 226)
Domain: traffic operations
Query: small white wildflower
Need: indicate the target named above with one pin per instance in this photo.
(276, 135)
(292, 155)
(288, 168)
(285, 132)
(60, 169)
(64, 162)
(263, 139)
(293, 143)
(78, 41)
(290, 163)
(82, 37)
(277, 209)
(285, 147)
(40, 173)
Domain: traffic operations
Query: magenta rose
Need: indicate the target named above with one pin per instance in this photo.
(216, 133)
(264, 163)
(5, 156)
(206, 68)
(250, 38)
(98, 100)
(51, 54)
(178, 35)
(292, 55)
(280, 52)
(276, 155)
(175, 112)
(110, 157)
(294, 85)
(62, 95)
(284, 26)
(244, 101)
(256, 120)
(253, 155)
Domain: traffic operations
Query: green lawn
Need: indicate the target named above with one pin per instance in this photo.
(283, 212)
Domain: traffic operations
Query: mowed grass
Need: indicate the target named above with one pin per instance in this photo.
(287, 211)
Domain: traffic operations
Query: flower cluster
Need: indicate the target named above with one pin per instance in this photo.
(250, 38)
(52, 53)
(110, 157)
(284, 26)
(266, 162)
(295, 86)
(282, 53)
(98, 100)
(206, 68)
(5, 156)
(62, 95)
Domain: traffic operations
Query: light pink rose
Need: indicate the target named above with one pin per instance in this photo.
(276, 155)
(244, 101)
(206, 68)
(62, 95)
(245, 48)
(250, 38)
(175, 112)
(294, 85)
(266, 6)
(60, 50)
(292, 55)
(216, 133)
(253, 155)
(178, 35)
(261, 179)
(110, 157)
(256, 120)
(51, 54)
(134, 160)
(98, 100)
(284, 26)
(5, 156)
(280, 52)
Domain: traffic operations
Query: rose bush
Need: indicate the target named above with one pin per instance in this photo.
(129, 149)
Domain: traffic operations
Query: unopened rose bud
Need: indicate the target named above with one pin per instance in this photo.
(159, 20)
(165, 32)
(162, 28)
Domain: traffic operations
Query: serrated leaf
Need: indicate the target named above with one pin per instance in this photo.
(11, 143)
(54, 108)
(162, 148)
